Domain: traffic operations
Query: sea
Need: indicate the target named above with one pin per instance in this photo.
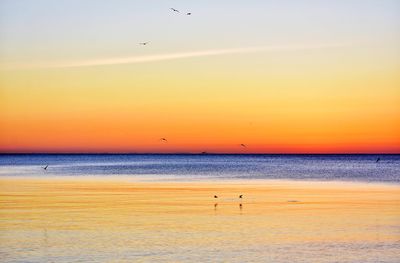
(187, 167)
(199, 208)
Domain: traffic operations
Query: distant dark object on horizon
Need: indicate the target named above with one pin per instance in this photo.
(203, 152)
(45, 168)
(175, 10)
(143, 43)
(377, 160)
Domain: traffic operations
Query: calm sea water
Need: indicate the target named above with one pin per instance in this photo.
(364, 168)
(96, 220)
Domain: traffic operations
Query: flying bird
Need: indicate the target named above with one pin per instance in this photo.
(243, 145)
(175, 10)
(45, 168)
(188, 14)
(215, 196)
(163, 140)
(240, 196)
(143, 43)
(377, 160)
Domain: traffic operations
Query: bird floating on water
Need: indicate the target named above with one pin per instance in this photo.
(377, 160)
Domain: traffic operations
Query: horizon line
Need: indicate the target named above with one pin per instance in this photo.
(193, 153)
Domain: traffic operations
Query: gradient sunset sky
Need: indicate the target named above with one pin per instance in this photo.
(279, 76)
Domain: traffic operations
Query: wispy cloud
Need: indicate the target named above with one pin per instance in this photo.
(168, 56)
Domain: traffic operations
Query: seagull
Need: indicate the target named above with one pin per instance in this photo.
(188, 14)
(377, 160)
(240, 196)
(143, 43)
(45, 168)
(243, 145)
(215, 196)
(163, 140)
(175, 10)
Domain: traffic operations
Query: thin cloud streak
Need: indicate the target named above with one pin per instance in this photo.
(172, 56)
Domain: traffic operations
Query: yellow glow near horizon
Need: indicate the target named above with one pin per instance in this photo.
(128, 108)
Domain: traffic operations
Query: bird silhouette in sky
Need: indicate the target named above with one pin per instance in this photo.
(188, 14)
(175, 10)
(243, 145)
(215, 196)
(143, 43)
(377, 160)
(45, 168)
(240, 196)
(163, 140)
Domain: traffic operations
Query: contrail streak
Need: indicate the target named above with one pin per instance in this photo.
(172, 56)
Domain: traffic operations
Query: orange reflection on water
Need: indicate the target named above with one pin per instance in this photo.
(121, 220)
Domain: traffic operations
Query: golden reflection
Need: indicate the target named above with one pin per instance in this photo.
(125, 215)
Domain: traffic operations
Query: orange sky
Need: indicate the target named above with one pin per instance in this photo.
(315, 89)
(105, 110)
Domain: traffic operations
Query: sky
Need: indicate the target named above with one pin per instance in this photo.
(286, 76)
